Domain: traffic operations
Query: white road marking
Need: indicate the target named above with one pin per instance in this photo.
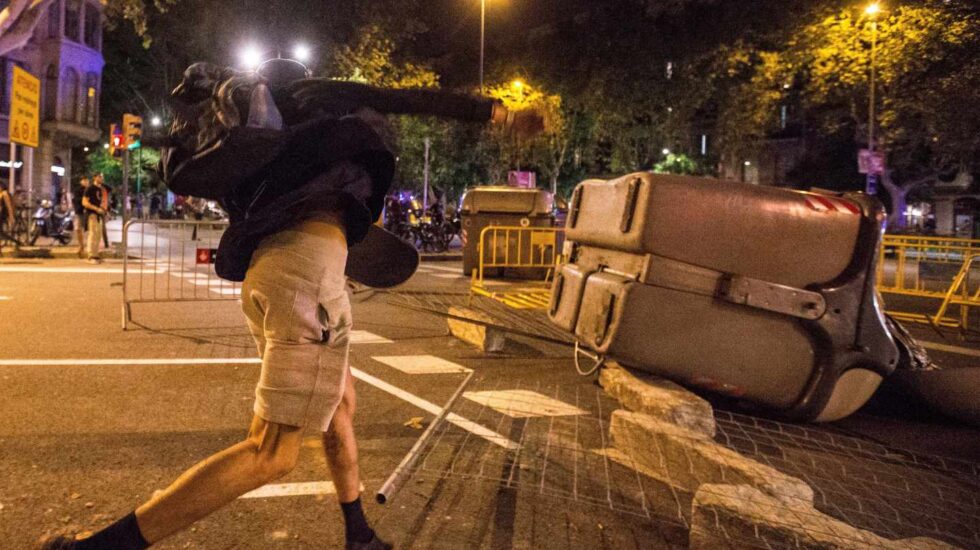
(468, 425)
(109, 362)
(413, 399)
(422, 364)
(523, 403)
(449, 275)
(294, 489)
(950, 349)
(87, 270)
(456, 270)
(365, 337)
(5, 298)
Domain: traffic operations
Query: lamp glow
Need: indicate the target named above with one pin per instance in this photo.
(872, 9)
(155, 121)
(251, 57)
(301, 52)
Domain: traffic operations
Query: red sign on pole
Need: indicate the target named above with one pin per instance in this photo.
(871, 162)
(524, 180)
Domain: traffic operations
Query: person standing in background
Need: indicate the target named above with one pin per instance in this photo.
(95, 201)
(80, 215)
(107, 200)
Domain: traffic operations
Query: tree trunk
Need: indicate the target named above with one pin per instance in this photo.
(896, 218)
(17, 22)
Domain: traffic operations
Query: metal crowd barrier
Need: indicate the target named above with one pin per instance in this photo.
(534, 252)
(938, 268)
(921, 266)
(167, 261)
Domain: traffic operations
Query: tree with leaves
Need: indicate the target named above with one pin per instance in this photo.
(927, 78)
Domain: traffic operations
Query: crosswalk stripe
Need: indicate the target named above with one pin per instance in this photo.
(523, 403)
(294, 489)
(421, 364)
(432, 408)
(365, 337)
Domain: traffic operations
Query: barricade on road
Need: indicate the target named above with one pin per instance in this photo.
(167, 261)
(921, 266)
(936, 268)
(961, 294)
(531, 253)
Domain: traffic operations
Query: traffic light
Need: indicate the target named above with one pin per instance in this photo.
(132, 130)
(115, 140)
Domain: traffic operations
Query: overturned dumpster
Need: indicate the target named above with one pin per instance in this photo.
(762, 293)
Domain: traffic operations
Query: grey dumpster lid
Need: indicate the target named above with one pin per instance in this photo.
(507, 200)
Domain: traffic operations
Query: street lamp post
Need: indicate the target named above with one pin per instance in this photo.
(483, 27)
(872, 11)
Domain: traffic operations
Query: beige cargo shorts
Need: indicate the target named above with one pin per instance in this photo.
(297, 308)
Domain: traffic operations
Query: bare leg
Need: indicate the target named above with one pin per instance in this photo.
(269, 452)
(340, 446)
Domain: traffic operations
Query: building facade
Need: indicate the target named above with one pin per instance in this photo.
(65, 54)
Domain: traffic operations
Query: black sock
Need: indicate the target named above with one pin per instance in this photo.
(355, 523)
(121, 535)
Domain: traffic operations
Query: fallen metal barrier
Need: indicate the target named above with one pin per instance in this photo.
(959, 294)
(167, 261)
(533, 252)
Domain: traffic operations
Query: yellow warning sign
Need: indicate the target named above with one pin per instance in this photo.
(25, 108)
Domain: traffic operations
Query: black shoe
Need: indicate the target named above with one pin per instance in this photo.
(56, 542)
(374, 544)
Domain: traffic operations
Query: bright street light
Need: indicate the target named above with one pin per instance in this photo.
(156, 122)
(105, 145)
(250, 57)
(871, 11)
(301, 52)
(666, 151)
(517, 84)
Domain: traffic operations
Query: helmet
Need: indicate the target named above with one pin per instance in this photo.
(279, 72)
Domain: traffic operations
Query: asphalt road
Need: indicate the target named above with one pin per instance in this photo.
(93, 419)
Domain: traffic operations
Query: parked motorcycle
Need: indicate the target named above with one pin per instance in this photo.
(49, 222)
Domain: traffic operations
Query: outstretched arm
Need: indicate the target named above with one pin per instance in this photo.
(339, 98)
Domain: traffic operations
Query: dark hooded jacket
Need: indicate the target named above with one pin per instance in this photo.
(265, 151)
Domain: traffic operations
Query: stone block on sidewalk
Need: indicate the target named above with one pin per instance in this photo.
(686, 459)
(739, 516)
(659, 398)
(32, 252)
(486, 338)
